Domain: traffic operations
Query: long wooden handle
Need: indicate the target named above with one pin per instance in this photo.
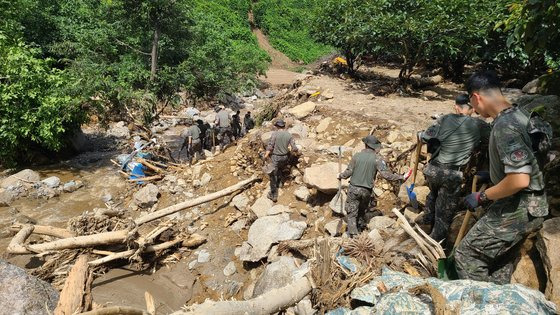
(418, 150)
(468, 215)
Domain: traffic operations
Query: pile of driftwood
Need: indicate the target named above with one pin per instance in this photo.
(87, 252)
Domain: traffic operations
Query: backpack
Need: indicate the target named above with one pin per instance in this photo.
(540, 132)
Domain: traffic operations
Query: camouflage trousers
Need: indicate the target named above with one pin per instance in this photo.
(278, 162)
(357, 202)
(488, 251)
(443, 200)
(224, 136)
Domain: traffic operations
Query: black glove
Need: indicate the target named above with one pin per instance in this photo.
(472, 201)
(483, 176)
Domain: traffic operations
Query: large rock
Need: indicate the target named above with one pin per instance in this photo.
(548, 106)
(269, 230)
(147, 196)
(323, 177)
(261, 206)
(302, 193)
(381, 223)
(119, 130)
(548, 243)
(531, 87)
(240, 202)
(51, 182)
(323, 125)
(21, 293)
(334, 227)
(421, 193)
(276, 275)
(299, 130)
(6, 197)
(302, 110)
(22, 177)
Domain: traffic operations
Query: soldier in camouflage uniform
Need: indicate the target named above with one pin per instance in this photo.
(278, 149)
(452, 140)
(192, 140)
(362, 169)
(223, 123)
(518, 198)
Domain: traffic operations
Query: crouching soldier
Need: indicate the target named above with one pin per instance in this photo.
(362, 169)
(280, 145)
(452, 141)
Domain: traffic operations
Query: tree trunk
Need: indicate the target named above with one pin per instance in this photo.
(154, 54)
(72, 295)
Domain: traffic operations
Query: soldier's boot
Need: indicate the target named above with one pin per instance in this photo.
(352, 228)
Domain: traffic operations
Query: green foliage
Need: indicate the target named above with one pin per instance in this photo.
(535, 26)
(286, 22)
(35, 108)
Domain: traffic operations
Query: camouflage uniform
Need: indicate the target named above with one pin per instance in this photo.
(508, 220)
(278, 145)
(223, 122)
(455, 138)
(236, 125)
(196, 146)
(363, 169)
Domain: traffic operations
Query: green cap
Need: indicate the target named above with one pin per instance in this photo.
(372, 142)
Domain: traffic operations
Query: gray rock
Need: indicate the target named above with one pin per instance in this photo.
(147, 196)
(323, 125)
(323, 177)
(381, 223)
(119, 130)
(203, 256)
(7, 196)
(230, 269)
(376, 237)
(548, 242)
(334, 227)
(51, 182)
(72, 186)
(261, 206)
(239, 225)
(269, 230)
(21, 293)
(302, 193)
(240, 202)
(305, 307)
(531, 87)
(277, 209)
(302, 110)
(276, 275)
(299, 130)
(205, 179)
(26, 176)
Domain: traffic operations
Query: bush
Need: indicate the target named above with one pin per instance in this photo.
(287, 24)
(35, 109)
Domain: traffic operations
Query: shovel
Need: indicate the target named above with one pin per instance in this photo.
(337, 203)
(446, 266)
(213, 141)
(410, 189)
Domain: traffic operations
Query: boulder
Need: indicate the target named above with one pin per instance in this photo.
(381, 223)
(261, 206)
(240, 202)
(323, 125)
(526, 273)
(302, 110)
(302, 193)
(323, 177)
(72, 186)
(548, 106)
(269, 230)
(422, 193)
(21, 293)
(299, 130)
(6, 197)
(119, 130)
(334, 227)
(276, 275)
(51, 182)
(147, 196)
(22, 177)
(531, 87)
(548, 242)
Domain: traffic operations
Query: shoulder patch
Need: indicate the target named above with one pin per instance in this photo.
(519, 155)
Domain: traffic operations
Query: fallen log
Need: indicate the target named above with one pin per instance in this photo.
(149, 165)
(128, 253)
(65, 243)
(270, 302)
(116, 310)
(146, 179)
(16, 244)
(71, 299)
(46, 230)
(195, 202)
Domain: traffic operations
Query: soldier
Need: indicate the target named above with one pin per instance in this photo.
(223, 123)
(363, 168)
(248, 122)
(518, 198)
(236, 125)
(452, 140)
(192, 140)
(278, 149)
(204, 127)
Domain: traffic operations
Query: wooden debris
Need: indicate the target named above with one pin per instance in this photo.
(117, 310)
(46, 230)
(71, 299)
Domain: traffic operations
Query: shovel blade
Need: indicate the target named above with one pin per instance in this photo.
(412, 196)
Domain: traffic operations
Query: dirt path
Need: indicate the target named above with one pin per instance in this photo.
(280, 71)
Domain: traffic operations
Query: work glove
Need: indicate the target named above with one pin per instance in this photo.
(483, 176)
(407, 175)
(472, 201)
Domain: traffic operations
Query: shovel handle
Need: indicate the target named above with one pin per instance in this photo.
(468, 215)
(417, 158)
